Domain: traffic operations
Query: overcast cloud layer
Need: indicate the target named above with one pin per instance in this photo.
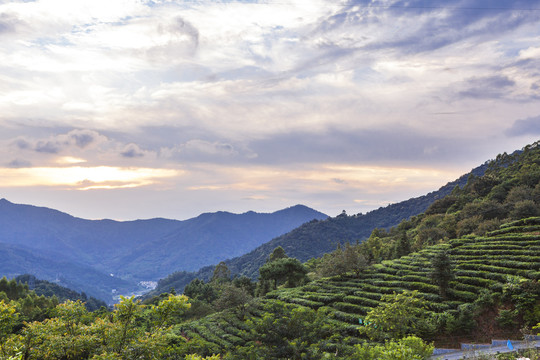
(131, 109)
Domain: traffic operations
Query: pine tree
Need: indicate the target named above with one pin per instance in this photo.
(441, 271)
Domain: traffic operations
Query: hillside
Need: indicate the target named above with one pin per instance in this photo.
(49, 289)
(466, 269)
(97, 256)
(497, 265)
(315, 238)
(17, 260)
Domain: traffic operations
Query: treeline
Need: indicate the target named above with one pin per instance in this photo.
(35, 302)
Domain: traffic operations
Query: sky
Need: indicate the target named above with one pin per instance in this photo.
(135, 109)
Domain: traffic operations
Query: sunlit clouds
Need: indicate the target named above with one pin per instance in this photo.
(208, 105)
(83, 178)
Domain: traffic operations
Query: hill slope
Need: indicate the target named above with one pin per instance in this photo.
(488, 286)
(480, 264)
(18, 260)
(49, 289)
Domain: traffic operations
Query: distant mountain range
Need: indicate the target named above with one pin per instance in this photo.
(100, 256)
(315, 238)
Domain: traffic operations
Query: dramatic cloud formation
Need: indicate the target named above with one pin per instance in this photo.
(172, 108)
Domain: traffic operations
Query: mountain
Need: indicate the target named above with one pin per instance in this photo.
(97, 256)
(212, 237)
(317, 237)
(49, 289)
(18, 260)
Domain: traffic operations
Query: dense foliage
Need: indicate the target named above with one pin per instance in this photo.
(508, 191)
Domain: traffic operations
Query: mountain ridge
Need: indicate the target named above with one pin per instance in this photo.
(136, 250)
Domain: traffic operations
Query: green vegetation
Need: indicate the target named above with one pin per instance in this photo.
(131, 331)
(397, 298)
(48, 289)
(468, 267)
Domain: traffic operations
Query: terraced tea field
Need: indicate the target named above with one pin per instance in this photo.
(487, 262)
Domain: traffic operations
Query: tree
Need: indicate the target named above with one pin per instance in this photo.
(342, 261)
(442, 272)
(278, 253)
(353, 260)
(221, 273)
(169, 310)
(398, 315)
(65, 336)
(131, 331)
(286, 271)
(524, 209)
(372, 248)
(8, 318)
(243, 282)
(403, 246)
(233, 297)
(126, 313)
(408, 348)
(199, 290)
(198, 357)
(286, 331)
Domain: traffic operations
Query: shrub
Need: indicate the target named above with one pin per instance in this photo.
(408, 348)
(507, 318)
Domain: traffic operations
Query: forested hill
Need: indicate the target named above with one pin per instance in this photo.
(316, 238)
(49, 289)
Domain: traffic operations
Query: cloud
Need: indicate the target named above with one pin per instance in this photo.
(208, 151)
(394, 145)
(22, 144)
(490, 87)
(418, 26)
(83, 138)
(84, 178)
(49, 147)
(18, 163)
(132, 151)
(173, 41)
(60, 142)
(74, 146)
(528, 126)
(261, 89)
(180, 27)
(8, 23)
